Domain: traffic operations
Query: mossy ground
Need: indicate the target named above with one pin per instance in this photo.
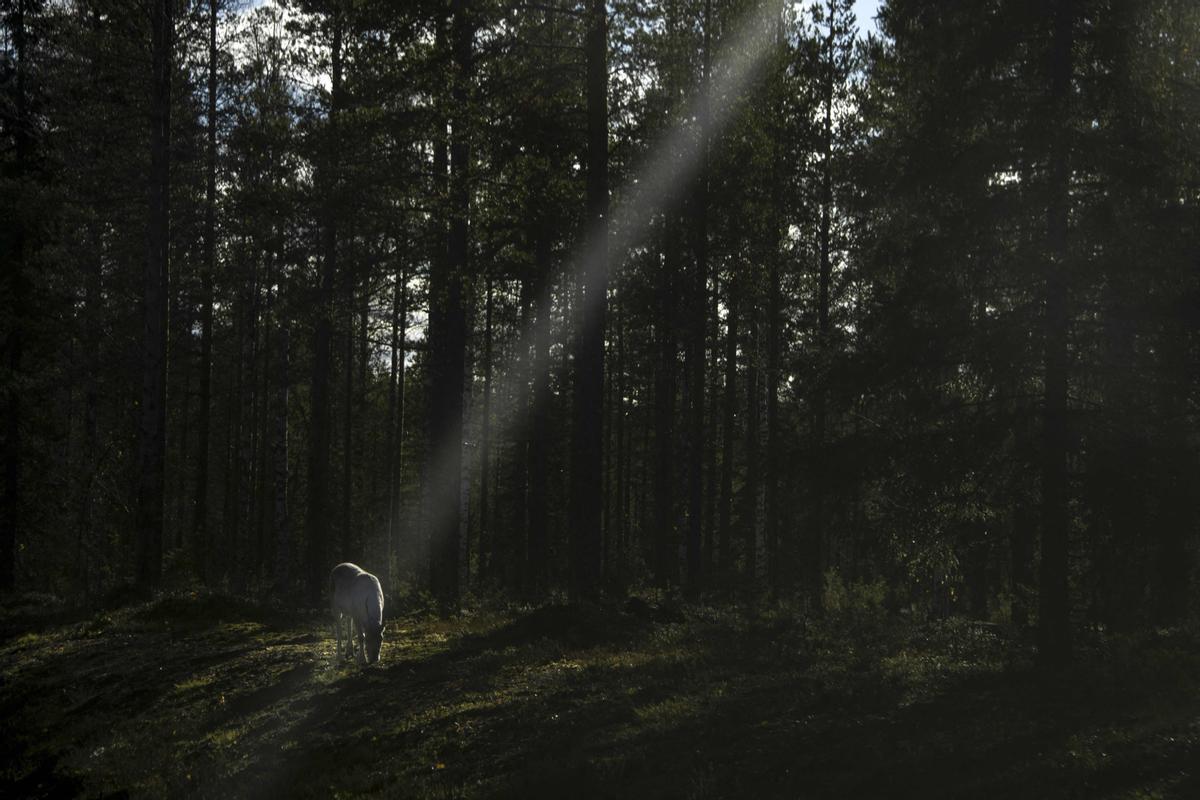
(209, 697)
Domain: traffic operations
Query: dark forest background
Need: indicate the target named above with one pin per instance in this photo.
(911, 316)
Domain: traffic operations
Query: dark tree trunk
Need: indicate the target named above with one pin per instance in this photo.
(318, 454)
(1054, 624)
(587, 503)
(18, 286)
(814, 552)
(715, 412)
(368, 475)
(665, 557)
(775, 554)
(348, 539)
(538, 428)
(235, 518)
(93, 304)
(249, 442)
(516, 559)
(1174, 557)
(180, 493)
(725, 528)
(395, 431)
(619, 524)
(485, 445)
(279, 459)
(697, 355)
(750, 492)
(155, 291)
(93, 284)
(230, 516)
(775, 549)
(447, 328)
(201, 543)
(1021, 541)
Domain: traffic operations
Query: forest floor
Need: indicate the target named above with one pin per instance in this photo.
(203, 696)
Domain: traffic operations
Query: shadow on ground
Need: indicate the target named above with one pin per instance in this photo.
(208, 697)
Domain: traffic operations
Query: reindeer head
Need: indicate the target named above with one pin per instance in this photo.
(374, 641)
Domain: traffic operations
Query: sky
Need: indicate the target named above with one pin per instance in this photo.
(865, 11)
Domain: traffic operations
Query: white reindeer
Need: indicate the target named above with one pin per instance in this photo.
(357, 598)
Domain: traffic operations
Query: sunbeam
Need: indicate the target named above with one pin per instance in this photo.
(669, 167)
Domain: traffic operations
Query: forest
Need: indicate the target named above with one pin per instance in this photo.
(732, 397)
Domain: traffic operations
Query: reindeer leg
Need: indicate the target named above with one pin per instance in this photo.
(360, 639)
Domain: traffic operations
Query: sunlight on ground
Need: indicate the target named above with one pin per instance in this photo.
(167, 702)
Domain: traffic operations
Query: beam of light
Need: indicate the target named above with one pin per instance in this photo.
(671, 165)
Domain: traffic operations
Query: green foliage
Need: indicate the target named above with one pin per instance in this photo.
(858, 598)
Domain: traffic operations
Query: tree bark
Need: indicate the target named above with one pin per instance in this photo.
(318, 522)
(587, 502)
(348, 536)
(485, 446)
(10, 513)
(620, 521)
(775, 553)
(279, 458)
(395, 432)
(665, 559)
(447, 328)
(725, 528)
(201, 543)
(697, 354)
(1054, 625)
(538, 427)
(750, 491)
(155, 290)
(814, 554)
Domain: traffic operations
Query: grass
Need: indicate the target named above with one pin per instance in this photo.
(210, 697)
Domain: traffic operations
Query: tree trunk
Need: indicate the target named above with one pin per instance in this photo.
(318, 454)
(619, 522)
(697, 354)
(725, 528)
(750, 491)
(395, 440)
(537, 425)
(348, 537)
(368, 474)
(249, 442)
(10, 513)
(775, 554)
(447, 328)
(664, 405)
(155, 290)
(715, 412)
(775, 549)
(279, 458)
(1054, 624)
(516, 562)
(814, 554)
(587, 503)
(201, 543)
(485, 446)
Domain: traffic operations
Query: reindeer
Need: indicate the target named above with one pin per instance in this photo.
(357, 598)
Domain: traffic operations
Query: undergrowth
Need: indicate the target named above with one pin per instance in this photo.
(207, 696)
